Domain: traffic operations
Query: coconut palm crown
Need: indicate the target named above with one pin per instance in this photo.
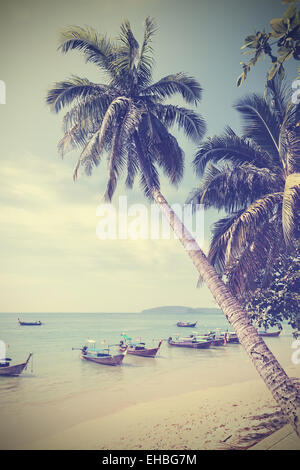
(255, 179)
(126, 117)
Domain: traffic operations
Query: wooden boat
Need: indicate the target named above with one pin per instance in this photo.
(186, 324)
(33, 323)
(216, 340)
(189, 343)
(102, 356)
(273, 334)
(17, 369)
(139, 349)
(231, 337)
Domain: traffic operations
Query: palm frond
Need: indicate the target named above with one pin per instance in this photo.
(289, 140)
(90, 155)
(113, 115)
(132, 166)
(166, 150)
(74, 137)
(145, 60)
(277, 95)
(291, 205)
(232, 187)
(147, 190)
(231, 148)
(124, 63)
(96, 48)
(64, 93)
(88, 113)
(249, 222)
(188, 87)
(220, 237)
(114, 160)
(244, 270)
(188, 120)
(260, 123)
(130, 44)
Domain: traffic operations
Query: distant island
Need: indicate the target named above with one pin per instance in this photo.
(176, 309)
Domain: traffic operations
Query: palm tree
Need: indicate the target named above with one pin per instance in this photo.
(255, 179)
(128, 120)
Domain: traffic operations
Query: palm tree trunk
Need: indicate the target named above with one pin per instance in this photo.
(280, 385)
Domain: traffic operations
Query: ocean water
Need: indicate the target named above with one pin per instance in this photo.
(57, 387)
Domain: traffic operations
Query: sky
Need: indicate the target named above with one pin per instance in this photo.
(51, 257)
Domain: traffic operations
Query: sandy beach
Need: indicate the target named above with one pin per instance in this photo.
(234, 416)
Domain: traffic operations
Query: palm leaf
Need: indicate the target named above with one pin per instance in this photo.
(165, 149)
(64, 93)
(190, 122)
(232, 187)
(145, 60)
(231, 148)
(249, 222)
(244, 270)
(96, 48)
(260, 123)
(186, 86)
(291, 205)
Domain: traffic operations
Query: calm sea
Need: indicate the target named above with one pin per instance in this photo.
(58, 373)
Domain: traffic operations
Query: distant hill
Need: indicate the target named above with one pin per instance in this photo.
(176, 309)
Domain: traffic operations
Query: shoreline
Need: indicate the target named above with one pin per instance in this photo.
(235, 416)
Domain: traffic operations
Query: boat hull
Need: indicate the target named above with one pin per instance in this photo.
(14, 370)
(219, 342)
(190, 344)
(107, 361)
(22, 323)
(142, 352)
(270, 335)
(186, 325)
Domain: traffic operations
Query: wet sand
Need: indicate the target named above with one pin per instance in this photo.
(233, 416)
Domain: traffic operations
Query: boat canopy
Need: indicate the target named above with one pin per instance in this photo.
(126, 337)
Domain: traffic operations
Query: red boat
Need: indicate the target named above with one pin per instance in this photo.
(139, 349)
(102, 356)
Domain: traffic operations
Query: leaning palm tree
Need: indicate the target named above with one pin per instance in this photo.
(128, 120)
(255, 179)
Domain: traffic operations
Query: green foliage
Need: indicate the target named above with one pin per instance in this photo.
(281, 299)
(280, 44)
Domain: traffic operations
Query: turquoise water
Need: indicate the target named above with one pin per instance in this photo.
(59, 374)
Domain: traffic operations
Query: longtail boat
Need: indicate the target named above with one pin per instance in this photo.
(186, 324)
(216, 340)
(231, 337)
(273, 334)
(191, 342)
(139, 349)
(101, 356)
(17, 369)
(26, 323)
